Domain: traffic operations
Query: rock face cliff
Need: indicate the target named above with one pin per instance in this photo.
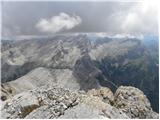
(78, 62)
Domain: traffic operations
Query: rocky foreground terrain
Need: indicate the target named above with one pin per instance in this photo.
(79, 76)
(54, 102)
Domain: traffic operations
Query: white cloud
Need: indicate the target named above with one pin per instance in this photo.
(58, 23)
(140, 18)
(139, 36)
(115, 36)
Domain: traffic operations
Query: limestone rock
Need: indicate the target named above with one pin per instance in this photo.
(20, 106)
(55, 99)
(49, 102)
(133, 102)
(55, 102)
(104, 93)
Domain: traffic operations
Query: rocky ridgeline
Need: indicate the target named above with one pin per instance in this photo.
(70, 63)
(80, 62)
(133, 102)
(56, 102)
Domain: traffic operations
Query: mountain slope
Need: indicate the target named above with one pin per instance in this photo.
(89, 62)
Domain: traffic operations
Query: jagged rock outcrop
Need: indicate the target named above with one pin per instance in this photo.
(104, 93)
(56, 102)
(134, 103)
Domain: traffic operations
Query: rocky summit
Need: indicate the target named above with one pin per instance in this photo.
(55, 102)
(79, 76)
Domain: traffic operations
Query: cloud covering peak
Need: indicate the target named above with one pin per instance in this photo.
(58, 23)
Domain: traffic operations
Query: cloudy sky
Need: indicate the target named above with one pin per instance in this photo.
(47, 18)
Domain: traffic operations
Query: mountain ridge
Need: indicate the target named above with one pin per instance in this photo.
(124, 61)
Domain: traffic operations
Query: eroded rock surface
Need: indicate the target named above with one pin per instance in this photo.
(133, 102)
(55, 99)
(56, 102)
(104, 93)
